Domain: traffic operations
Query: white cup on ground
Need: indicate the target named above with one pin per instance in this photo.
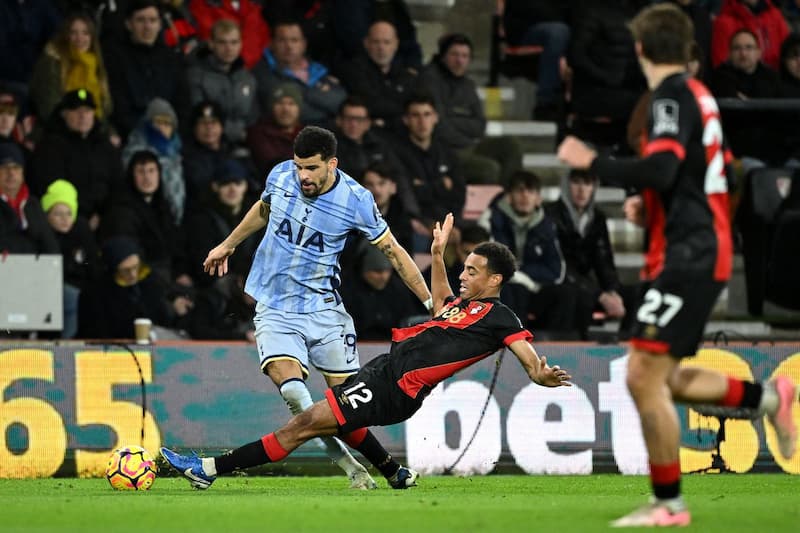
(142, 328)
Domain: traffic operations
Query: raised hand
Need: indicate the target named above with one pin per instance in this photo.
(441, 232)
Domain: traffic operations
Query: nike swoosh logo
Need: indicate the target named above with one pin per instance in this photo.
(288, 195)
(188, 473)
(349, 360)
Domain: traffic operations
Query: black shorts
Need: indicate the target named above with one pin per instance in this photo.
(370, 398)
(673, 314)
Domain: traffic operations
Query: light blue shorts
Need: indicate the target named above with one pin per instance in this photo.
(325, 339)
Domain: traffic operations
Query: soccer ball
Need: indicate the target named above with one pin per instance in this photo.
(131, 468)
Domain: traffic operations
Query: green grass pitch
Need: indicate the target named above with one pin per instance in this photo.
(725, 503)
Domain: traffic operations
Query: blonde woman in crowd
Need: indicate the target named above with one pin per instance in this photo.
(71, 60)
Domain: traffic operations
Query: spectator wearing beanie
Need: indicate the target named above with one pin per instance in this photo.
(125, 292)
(271, 139)
(76, 148)
(77, 244)
(158, 133)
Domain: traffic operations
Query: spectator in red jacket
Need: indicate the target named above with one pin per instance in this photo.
(247, 13)
(760, 17)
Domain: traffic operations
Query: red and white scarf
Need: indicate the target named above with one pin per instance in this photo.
(18, 204)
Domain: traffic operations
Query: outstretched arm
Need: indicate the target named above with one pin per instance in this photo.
(405, 266)
(536, 367)
(217, 260)
(440, 287)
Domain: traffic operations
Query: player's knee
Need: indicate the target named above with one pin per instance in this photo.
(637, 378)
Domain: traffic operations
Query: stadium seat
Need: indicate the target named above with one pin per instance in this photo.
(478, 199)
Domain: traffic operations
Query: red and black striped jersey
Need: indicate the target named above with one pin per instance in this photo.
(683, 171)
(463, 333)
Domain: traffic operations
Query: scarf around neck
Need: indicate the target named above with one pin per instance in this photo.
(17, 204)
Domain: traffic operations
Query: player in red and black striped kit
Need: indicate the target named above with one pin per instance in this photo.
(683, 172)
(391, 387)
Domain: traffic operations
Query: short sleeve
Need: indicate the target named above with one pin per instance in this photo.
(368, 219)
(269, 186)
(507, 326)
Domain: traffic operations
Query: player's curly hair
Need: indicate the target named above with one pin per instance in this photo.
(314, 140)
(499, 259)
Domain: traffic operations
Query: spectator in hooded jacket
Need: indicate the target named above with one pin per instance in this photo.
(76, 147)
(219, 75)
(536, 291)
(23, 226)
(142, 213)
(583, 236)
(761, 17)
(158, 133)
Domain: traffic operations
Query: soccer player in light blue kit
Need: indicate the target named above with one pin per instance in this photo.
(309, 208)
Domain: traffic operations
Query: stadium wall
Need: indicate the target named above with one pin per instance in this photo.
(63, 407)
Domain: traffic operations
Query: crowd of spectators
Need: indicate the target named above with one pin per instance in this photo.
(135, 134)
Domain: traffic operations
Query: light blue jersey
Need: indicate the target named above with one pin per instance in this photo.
(296, 266)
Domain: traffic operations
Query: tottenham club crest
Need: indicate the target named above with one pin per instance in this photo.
(665, 117)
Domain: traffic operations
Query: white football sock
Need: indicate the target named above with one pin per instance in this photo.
(209, 466)
(298, 399)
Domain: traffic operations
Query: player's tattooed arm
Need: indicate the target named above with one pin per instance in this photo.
(405, 267)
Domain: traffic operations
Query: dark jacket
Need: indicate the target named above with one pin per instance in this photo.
(81, 256)
(139, 73)
(92, 164)
(151, 226)
(207, 228)
(200, 163)
(234, 91)
(354, 158)
(425, 170)
(107, 310)
(322, 93)
(607, 80)
(539, 256)
(37, 238)
(588, 256)
(519, 15)
(384, 94)
(462, 122)
(375, 312)
(750, 133)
